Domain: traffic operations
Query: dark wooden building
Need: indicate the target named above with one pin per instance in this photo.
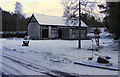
(53, 27)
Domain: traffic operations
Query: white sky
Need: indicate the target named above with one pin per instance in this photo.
(47, 7)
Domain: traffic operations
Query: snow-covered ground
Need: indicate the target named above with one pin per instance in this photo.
(55, 57)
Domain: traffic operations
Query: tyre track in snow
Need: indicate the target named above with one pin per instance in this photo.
(6, 72)
(47, 71)
(37, 68)
(52, 73)
(28, 66)
(11, 67)
(33, 68)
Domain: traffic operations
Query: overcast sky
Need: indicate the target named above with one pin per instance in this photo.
(47, 7)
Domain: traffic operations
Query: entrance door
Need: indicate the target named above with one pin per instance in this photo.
(60, 34)
(45, 33)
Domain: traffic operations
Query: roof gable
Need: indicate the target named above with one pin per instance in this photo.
(33, 19)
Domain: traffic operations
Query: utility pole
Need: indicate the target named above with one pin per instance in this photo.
(0, 22)
(79, 43)
(17, 22)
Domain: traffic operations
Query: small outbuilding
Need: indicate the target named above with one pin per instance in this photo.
(53, 27)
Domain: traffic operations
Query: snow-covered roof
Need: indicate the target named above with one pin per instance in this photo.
(53, 20)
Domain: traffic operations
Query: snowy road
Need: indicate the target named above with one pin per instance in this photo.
(30, 67)
(51, 57)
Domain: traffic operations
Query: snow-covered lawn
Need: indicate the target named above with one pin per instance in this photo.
(54, 56)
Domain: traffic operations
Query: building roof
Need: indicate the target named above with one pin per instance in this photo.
(53, 20)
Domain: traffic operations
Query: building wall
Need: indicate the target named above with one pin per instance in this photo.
(83, 33)
(65, 33)
(45, 32)
(34, 30)
(73, 33)
(54, 33)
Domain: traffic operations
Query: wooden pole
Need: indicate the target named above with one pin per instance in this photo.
(0, 23)
(92, 47)
(79, 43)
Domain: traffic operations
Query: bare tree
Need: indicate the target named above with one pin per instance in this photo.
(19, 11)
(71, 10)
(18, 8)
